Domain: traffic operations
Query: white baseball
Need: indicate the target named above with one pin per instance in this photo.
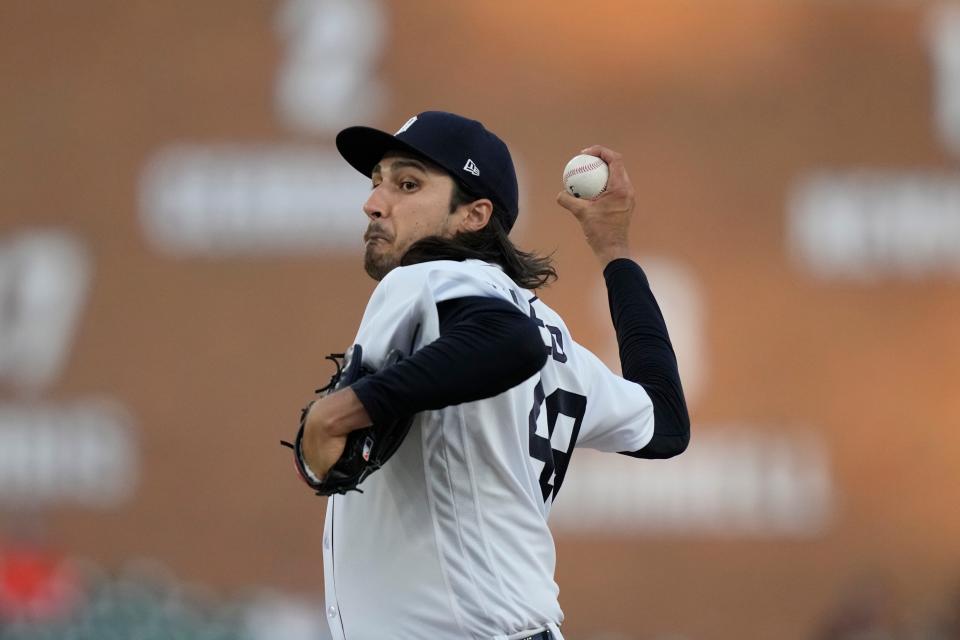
(586, 176)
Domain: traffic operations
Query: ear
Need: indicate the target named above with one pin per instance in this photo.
(477, 215)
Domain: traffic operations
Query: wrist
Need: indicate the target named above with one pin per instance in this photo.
(609, 254)
(344, 413)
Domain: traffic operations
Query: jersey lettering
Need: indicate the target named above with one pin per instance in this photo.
(556, 343)
(556, 336)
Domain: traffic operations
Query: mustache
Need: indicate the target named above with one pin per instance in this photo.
(376, 232)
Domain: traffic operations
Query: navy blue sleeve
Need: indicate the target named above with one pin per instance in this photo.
(647, 357)
(486, 346)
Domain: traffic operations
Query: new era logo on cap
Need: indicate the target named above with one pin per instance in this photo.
(471, 168)
(406, 125)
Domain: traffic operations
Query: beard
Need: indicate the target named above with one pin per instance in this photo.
(378, 263)
(378, 260)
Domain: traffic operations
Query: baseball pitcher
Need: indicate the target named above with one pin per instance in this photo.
(446, 434)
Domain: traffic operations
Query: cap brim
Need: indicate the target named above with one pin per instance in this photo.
(364, 147)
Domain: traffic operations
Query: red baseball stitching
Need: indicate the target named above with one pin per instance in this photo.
(583, 169)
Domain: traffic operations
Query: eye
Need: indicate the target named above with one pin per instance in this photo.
(375, 184)
(408, 185)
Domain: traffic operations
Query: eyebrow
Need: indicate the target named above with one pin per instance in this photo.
(400, 164)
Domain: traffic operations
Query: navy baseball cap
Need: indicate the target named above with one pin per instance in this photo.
(471, 154)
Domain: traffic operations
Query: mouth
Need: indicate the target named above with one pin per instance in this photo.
(374, 238)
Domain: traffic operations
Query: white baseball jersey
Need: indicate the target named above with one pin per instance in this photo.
(450, 539)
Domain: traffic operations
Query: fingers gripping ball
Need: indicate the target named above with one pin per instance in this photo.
(586, 177)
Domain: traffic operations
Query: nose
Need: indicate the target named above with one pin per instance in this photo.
(376, 206)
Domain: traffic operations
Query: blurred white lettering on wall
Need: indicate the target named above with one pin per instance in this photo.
(945, 58)
(228, 199)
(328, 76)
(225, 199)
(82, 453)
(870, 225)
(43, 286)
(731, 482)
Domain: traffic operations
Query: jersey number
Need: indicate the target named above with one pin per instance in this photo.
(555, 461)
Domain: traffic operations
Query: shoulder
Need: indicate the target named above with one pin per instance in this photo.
(446, 279)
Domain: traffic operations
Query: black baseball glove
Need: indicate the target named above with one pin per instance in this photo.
(367, 449)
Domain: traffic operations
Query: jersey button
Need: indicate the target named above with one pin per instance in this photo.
(332, 612)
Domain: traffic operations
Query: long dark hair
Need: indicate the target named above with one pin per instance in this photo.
(490, 244)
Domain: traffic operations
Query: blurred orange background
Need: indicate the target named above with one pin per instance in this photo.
(179, 248)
